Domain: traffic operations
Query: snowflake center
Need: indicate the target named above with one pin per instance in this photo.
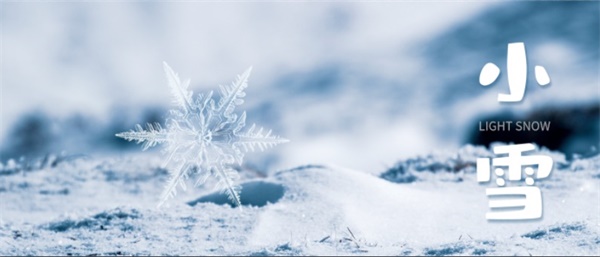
(204, 138)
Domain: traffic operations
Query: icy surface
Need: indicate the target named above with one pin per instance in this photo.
(84, 205)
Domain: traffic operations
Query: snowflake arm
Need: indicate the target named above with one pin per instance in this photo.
(182, 97)
(251, 139)
(153, 135)
(178, 177)
(226, 177)
(233, 95)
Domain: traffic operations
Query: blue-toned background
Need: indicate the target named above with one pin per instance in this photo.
(359, 84)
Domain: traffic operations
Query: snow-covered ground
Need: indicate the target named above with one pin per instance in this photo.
(83, 205)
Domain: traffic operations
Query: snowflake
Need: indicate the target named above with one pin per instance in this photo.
(204, 136)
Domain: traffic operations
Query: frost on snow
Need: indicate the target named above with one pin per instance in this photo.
(203, 135)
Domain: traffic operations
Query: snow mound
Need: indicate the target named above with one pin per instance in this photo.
(389, 218)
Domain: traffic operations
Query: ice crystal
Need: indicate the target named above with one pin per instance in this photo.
(204, 135)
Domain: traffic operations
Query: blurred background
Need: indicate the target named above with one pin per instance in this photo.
(354, 84)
